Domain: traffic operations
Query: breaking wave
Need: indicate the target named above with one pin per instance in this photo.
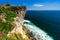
(39, 33)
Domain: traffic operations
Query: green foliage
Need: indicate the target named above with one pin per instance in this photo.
(7, 26)
(0, 11)
(4, 29)
(9, 14)
(7, 4)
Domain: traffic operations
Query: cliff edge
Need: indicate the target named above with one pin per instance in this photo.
(11, 27)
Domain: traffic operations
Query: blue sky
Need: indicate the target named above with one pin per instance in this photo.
(35, 4)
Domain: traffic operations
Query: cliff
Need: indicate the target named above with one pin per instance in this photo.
(11, 27)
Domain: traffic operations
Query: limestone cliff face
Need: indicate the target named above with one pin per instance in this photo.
(20, 11)
(13, 17)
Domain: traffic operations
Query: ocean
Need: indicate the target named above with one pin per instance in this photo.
(47, 20)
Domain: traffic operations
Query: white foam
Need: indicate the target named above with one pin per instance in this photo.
(37, 31)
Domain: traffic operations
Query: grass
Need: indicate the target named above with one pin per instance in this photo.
(7, 26)
(9, 14)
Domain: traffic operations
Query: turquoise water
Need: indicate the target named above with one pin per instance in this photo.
(37, 32)
(49, 21)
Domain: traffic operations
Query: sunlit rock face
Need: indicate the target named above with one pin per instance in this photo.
(14, 16)
(20, 11)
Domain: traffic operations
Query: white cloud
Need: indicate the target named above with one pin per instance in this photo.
(38, 5)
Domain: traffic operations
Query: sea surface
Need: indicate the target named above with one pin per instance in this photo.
(47, 20)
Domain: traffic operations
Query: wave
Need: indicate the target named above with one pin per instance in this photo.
(37, 32)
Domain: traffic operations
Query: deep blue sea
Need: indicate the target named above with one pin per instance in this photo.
(47, 20)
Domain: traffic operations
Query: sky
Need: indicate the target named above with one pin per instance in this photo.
(35, 4)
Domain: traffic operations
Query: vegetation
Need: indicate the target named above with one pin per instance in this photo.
(7, 4)
(9, 14)
(9, 17)
(7, 26)
(16, 37)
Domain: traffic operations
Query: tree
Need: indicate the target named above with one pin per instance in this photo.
(7, 4)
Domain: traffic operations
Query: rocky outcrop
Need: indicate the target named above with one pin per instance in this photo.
(19, 31)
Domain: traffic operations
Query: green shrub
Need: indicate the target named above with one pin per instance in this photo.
(7, 26)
